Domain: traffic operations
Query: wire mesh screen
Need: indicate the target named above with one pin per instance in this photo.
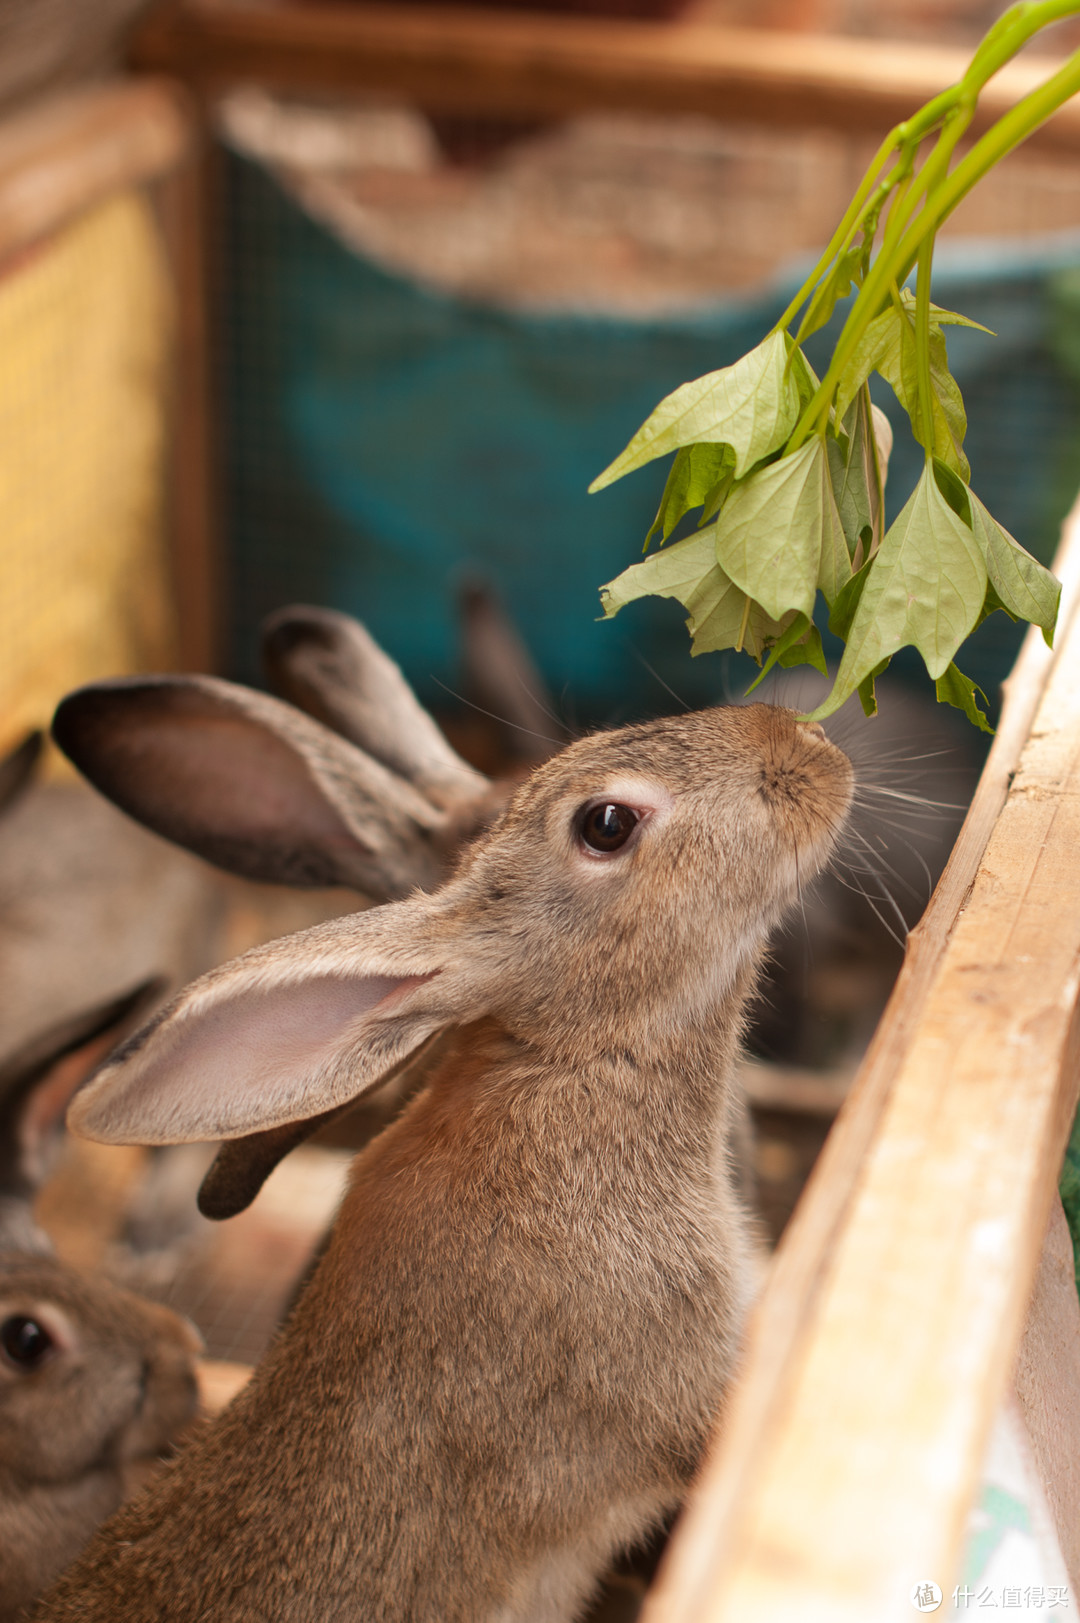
(85, 332)
(394, 429)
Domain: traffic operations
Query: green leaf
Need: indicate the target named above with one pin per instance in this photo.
(722, 616)
(847, 601)
(925, 586)
(949, 318)
(806, 379)
(751, 406)
(853, 463)
(954, 490)
(800, 644)
(675, 572)
(888, 346)
(953, 687)
(865, 690)
(697, 474)
(779, 536)
(717, 608)
(1026, 589)
(836, 286)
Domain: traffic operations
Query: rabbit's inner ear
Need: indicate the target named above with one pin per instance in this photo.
(244, 1057)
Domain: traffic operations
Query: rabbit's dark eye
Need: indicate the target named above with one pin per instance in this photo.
(607, 827)
(26, 1342)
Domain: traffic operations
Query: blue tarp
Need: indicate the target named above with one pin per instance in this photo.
(386, 440)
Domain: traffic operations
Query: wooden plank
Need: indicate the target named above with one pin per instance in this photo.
(71, 152)
(884, 1337)
(186, 201)
(1048, 1385)
(516, 64)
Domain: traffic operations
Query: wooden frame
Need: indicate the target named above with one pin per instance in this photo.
(529, 65)
(59, 159)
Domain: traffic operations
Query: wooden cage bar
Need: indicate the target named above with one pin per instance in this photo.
(532, 65)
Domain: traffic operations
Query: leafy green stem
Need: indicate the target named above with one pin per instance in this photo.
(895, 261)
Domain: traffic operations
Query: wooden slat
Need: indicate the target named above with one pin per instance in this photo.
(882, 1344)
(75, 149)
(187, 204)
(456, 59)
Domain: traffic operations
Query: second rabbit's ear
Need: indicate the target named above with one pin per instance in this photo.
(17, 769)
(251, 784)
(291, 1031)
(36, 1086)
(333, 669)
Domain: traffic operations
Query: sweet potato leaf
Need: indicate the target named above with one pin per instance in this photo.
(751, 406)
(699, 475)
(953, 687)
(800, 644)
(888, 346)
(925, 587)
(1027, 590)
(779, 535)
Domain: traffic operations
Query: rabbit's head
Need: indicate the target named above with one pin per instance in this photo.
(92, 1377)
(633, 877)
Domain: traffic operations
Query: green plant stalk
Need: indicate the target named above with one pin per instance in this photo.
(922, 345)
(1012, 128)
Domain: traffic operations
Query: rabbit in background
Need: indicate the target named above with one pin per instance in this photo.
(508, 1361)
(95, 1382)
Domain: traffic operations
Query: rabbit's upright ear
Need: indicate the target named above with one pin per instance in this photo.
(329, 665)
(251, 784)
(291, 1031)
(36, 1086)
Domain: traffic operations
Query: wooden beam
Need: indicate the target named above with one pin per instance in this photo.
(519, 64)
(886, 1334)
(71, 152)
(189, 206)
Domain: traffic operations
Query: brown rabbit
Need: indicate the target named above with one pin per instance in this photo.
(94, 1381)
(508, 1361)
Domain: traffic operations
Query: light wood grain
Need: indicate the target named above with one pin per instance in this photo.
(883, 1341)
(1048, 1385)
(70, 152)
(457, 59)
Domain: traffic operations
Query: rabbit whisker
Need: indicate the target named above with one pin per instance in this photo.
(655, 674)
(556, 743)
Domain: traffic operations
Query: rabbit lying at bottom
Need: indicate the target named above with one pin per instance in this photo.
(507, 1363)
(94, 1381)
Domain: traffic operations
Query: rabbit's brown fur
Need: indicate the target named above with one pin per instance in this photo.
(507, 1364)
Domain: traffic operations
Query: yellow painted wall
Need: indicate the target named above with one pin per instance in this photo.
(86, 329)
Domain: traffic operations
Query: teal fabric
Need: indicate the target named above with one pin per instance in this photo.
(386, 440)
